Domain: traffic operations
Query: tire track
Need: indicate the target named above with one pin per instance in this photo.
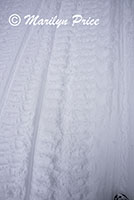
(51, 177)
(37, 116)
(17, 120)
(44, 190)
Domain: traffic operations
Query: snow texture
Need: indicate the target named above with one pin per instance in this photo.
(67, 102)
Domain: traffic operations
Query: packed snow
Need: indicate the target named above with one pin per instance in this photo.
(67, 101)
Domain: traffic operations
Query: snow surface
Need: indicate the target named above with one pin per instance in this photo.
(67, 102)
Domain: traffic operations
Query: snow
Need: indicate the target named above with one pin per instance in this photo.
(66, 102)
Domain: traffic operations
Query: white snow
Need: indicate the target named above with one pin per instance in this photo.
(66, 102)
